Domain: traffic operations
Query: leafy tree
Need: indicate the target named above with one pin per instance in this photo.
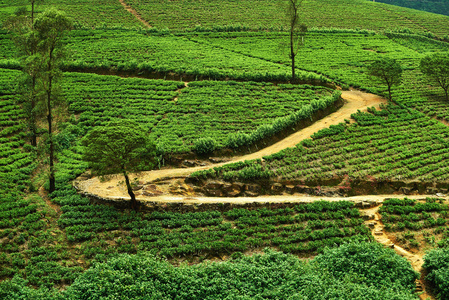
(297, 31)
(50, 28)
(119, 147)
(25, 40)
(387, 71)
(33, 3)
(436, 68)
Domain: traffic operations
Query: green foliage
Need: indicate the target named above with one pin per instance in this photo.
(393, 143)
(370, 264)
(267, 276)
(265, 15)
(109, 13)
(204, 146)
(383, 144)
(17, 288)
(436, 68)
(434, 6)
(179, 115)
(118, 147)
(387, 71)
(436, 263)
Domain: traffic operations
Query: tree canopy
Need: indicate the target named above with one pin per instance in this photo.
(119, 147)
(387, 71)
(436, 68)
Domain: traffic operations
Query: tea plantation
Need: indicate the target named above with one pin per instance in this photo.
(217, 73)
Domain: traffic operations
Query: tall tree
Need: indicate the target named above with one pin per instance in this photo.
(436, 68)
(119, 147)
(297, 31)
(25, 40)
(387, 71)
(50, 28)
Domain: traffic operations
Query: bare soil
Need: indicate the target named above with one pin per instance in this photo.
(416, 259)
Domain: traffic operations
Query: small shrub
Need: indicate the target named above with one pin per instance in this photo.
(204, 146)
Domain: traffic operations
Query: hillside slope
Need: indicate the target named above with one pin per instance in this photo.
(433, 6)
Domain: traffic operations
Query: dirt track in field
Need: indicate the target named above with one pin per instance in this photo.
(135, 13)
(114, 187)
(416, 260)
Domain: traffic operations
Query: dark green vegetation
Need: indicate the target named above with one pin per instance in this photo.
(120, 147)
(16, 162)
(436, 68)
(225, 15)
(433, 6)
(386, 71)
(302, 229)
(395, 143)
(417, 224)
(31, 245)
(176, 115)
(50, 241)
(87, 13)
(343, 273)
(436, 263)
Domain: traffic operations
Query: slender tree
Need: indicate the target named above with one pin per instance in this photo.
(436, 68)
(50, 28)
(25, 40)
(387, 71)
(297, 31)
(119, 147)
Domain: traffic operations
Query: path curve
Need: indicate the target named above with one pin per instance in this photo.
(135, 13)
(115, 188)
(416, 260)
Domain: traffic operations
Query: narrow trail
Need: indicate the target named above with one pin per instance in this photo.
(135, 13)
(114, 187)
(416, 260)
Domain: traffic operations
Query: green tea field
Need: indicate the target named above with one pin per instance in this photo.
(249, 182)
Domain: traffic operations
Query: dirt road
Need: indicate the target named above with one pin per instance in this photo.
(416, 260)
(114, 187)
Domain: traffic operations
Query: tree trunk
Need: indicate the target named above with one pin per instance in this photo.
(447, 96)
(49, 120)
(33, 115)
(292, 49)
(50, 136)
(133, 202)
(32, 14)
(389, 92)
(293, 23)
(293, 68)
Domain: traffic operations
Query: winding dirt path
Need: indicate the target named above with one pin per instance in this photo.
(114, 187)
(380, 236)
(135, 13)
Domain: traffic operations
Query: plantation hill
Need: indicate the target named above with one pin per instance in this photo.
(434, 6)
(254, 171)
